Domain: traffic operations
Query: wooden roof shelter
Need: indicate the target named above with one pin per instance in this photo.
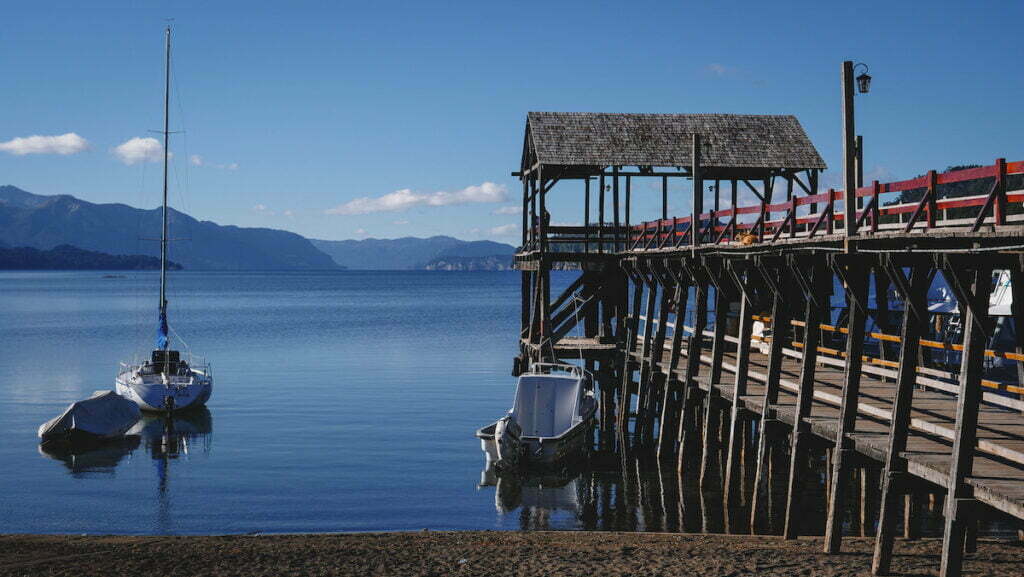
(736, 148)
(579, 144)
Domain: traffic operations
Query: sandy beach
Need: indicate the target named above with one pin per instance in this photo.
(484, 553)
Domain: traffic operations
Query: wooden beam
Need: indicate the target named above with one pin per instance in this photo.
(694, 347)
(855, 271)
(732, 485)
(780, 328)
(968, 401)
(899, 422)
(672, 403)
(815, 302)
(697, 204)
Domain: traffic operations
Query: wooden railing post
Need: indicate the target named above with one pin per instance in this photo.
(876, 192)
(999, 208)
(932, 201)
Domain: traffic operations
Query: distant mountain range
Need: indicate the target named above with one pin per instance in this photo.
(45, 222)
(434, 253)
(67, 257)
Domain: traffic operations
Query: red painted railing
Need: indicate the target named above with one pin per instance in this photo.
(724, 226)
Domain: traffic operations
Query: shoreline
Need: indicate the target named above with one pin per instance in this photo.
(582, 553)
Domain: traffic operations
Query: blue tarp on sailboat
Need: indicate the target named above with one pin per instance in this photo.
(161, 332)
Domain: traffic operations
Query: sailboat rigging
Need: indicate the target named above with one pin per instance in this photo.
(165, 382)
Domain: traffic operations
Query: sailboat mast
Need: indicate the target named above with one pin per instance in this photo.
(163, 235)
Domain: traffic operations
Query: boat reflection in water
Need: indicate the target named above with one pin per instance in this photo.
(164, 438)
(90, 459)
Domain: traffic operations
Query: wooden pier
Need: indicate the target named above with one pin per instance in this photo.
(699, 327)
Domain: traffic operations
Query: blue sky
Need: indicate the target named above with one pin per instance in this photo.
(304, 114)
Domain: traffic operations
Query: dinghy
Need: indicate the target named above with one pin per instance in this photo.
(104, 415)
(551, 417)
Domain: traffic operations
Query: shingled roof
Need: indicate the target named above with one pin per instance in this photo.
(727, 140)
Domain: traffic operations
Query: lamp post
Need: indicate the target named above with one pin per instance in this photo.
(850, 152)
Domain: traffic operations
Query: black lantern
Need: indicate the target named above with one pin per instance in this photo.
(864, 80)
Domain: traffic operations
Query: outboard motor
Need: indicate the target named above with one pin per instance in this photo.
(507, 437)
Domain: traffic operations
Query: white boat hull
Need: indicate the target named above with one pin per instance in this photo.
(164, 396)
(551, 419)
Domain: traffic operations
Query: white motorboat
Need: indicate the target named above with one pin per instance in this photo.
(165, 382)
(103, 416)
(550, 420)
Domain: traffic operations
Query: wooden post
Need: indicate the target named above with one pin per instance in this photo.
(868, 500)
(895, 465)
(664, 198)
(625, 389)
(657, 352)
(526, 211)
(855, 272)
(780, 328)
(600, 213)
(732, 487)
(815, 302)
(629, 201)
(849, 151)
(615, 205)
(959, 498)
(693, 352)
(586, 214)
(645, 369)
(697, 205)
(721, 307)
(711, 419)
(999, 205)
(672, 404)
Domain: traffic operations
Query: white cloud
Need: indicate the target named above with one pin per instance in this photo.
(361, 231)
(138, 150)
(406, 198)
(719, 70)
(509, 210)
(400, 222)
(260, 208)
(196, 160)
(289, 214)
(505, 230)
(65, 144)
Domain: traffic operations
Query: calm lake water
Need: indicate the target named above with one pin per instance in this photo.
(343, 401)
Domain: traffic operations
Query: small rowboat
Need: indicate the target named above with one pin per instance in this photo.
(549, 422)
(104, 415)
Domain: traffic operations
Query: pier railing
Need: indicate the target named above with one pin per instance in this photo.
(579, 239)
(879, 209)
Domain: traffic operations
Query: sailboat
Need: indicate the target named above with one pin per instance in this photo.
(165, 382)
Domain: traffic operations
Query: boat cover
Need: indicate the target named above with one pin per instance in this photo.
(103, 415)
(546, 405)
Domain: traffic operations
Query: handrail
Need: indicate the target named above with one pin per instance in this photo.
(925, 214)
(876, 361)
